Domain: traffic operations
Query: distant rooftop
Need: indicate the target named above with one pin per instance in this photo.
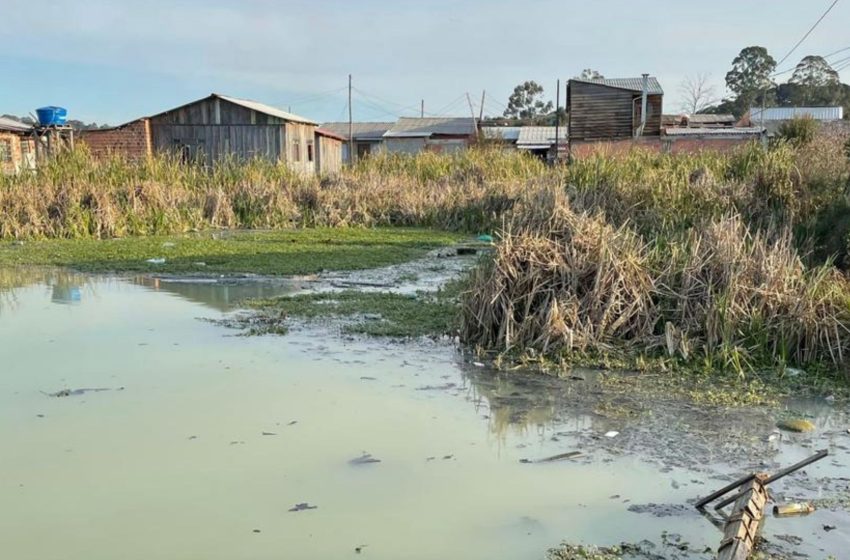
(723, 131)
(631, 84)
(539, 137)
(508, 133)
(11, 125)
(360, 130)
(787, 113)
(414, 127)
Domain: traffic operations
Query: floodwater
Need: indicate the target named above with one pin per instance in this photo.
(204, 442)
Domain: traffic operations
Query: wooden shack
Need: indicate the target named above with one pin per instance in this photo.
(328, 152)
(220, 126)
(606, 109)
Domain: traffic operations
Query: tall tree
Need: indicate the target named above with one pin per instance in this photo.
(526, 102)
(814, 71)
(749, 77)
(697, 94)
(590, 74)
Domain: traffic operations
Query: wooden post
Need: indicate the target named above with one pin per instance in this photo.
(422, 109)
(350, 126)
(472, 112)
(557, 118)
(743, 525)
(481, 109)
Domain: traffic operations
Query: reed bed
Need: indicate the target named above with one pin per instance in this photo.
(565, 281)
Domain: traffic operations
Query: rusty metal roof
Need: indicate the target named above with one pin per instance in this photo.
(330, 134)
(414, 127)
(11, 125)
(360, 130)
(265, 109)
(631, 84)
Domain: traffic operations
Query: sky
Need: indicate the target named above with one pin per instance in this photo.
(110, 61)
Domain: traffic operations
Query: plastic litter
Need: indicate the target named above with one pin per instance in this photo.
(612, 434)
(156, 261)
(485, 238)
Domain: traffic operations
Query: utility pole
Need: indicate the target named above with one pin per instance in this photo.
(481, 109)
(557, 118)
(350, 126)
(472, 112)
(422, 109)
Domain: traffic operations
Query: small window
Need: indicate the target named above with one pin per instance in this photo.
(296, 151)
(5, 151)
(309, 152)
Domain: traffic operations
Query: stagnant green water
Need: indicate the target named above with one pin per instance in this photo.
(172, 462)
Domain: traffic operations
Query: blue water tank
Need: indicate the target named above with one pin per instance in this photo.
(51, 116)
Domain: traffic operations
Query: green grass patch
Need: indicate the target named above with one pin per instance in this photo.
(371, 313)
(280, 252)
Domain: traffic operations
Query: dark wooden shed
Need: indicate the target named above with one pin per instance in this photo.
(610, 109)
(220, 126)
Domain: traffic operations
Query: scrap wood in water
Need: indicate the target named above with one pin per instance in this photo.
(558, 457)
(364, 459)
(303, 506)
(77, 392)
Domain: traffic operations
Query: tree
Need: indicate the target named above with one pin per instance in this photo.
(697, 94)
(526, 102)
(814, 71)
(749, 77)
(590, 74)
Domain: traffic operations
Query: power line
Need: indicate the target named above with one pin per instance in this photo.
(809, 32)
(836, 52)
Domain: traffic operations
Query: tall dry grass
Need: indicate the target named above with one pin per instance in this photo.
(721, 293)
(77, 196)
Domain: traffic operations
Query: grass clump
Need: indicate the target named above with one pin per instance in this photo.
(282, 252)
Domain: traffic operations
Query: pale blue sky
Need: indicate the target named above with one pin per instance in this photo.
(111, 60)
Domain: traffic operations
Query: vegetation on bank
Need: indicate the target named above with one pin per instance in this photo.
(706, 261)
(281, 252)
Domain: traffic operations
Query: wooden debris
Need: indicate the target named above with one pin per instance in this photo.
(743, 525)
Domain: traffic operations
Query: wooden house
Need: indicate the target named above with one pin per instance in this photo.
(604, 109)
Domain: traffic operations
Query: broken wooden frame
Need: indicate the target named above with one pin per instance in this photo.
(741, 527)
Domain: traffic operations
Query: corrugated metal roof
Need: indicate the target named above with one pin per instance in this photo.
(266, 109)
(788, 113)
(508, 133)
(631, 84)
(414, 127)
(701, 118)
(12, 125)
(536, 137)
(729, 131)
(360, 130)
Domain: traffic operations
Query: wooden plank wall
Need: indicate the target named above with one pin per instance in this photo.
(599, 112)
(213, 142)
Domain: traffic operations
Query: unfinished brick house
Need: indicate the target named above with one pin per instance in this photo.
(131, 140)
(17, 148)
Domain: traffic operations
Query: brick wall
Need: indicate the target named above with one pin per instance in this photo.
(10, 152)
(664, 144)
(132, 140)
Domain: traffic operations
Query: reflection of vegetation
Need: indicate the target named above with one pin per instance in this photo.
(371, 313)
(65, 284)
